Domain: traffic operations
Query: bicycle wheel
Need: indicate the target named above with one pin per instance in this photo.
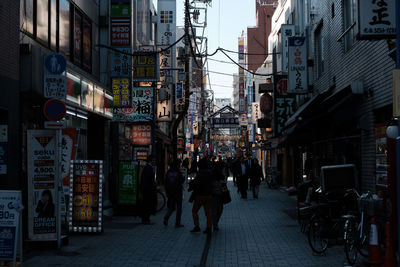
(161, 201)
(317, 234)
(350, 240)
(364, 240)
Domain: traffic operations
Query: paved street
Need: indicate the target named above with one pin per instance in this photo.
(260, 232)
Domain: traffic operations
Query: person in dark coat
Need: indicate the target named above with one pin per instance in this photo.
(148, 189)
(202, 190)
(174, 188)
(219, 181)
(255, 177)
(242, 178)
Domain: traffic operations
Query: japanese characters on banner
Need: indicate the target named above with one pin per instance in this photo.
(68, 150)
(146, 66)
(287, 31)
(42, 195)
(86, 192)
(179, 100)
(121, 87)
(10, 207)
(140, 153)
(164, 101)
(256, 112)
(141, 109)
(377, 19)
(141, 134)
(284, 104)
(127, 182)
(297, 65)
(225, 122)
(121, 62)
(120, 31)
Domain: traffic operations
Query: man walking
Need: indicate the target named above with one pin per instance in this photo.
(148, 189)
(174, 188)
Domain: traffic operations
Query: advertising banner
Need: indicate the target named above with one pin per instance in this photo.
(241, 49)
(164, 101)
(167, 22)
(42, 195)
(121, 63)
(121, 87)
(297, 65)
(77, 38)
(10, 207)
(86, 44)
(377, 19)
(121, 31)
(141, 134)
(86, 195)
(128, 182)
(142, 106)
(284, 104)
(179, 99)
(140, 153)
(68, 150)
(256, 112)
(287, 31)
(146, 66)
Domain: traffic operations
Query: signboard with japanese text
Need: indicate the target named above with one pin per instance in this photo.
(241, 49)
(377, 19)
(86, 193)
(140, 153)
(146, 66)
(10, 208)
(127, 182)
(142, 106)
(120, 31)
(164, 101)
(297, 65)
(167, 22)
(68, 150)
(121, 87)
(179, 99)
(256, 112)
(287, 31)
(381, 157)
(120, 63)
(225, 122)
(55, 86)
(180, 145)
(42, 195)
(141, 134)
(284, 104)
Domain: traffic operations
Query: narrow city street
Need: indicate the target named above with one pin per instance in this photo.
(252, 232)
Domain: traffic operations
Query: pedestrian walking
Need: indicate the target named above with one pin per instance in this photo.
(148, 189)
(243, 183)
(174, 188)
(255, 178)
(201, 186)
(218, 184)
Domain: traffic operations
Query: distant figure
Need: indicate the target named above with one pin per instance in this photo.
(148, 189)
(45, 206)
(255, 178)
(174, 186)
(202, 190)
(243, 178)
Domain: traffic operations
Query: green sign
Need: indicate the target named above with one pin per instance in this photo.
(120, 10)
(127, 185)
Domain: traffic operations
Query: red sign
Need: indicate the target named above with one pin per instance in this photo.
(181, 145)
(141, 134)
(54, 110)
(120, 31)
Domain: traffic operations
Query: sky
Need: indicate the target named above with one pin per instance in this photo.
(226, 19)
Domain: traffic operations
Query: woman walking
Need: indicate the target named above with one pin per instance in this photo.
(255, 178)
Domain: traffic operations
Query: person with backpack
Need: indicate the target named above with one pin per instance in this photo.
(174, 188)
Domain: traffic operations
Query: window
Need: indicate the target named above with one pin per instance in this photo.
(64, 30)
(82, 43)
(350, 17)
(319, 50)
(53, 24)
(77, 37)
(27, 15)
(42, 17)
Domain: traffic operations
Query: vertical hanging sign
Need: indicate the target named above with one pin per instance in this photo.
(297, 65)
(287, 31)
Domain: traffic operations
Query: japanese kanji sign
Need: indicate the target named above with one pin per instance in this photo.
(164, 101)
(146, 66)
(377, 19)
(120, 31)
(127, 182)
(122, 92)
(225, 122)
(256, 112)
(120, 63)
(284, 104)
(141, 109)
(141, 134)
(179, 99)
(287, 31)
(297, 65)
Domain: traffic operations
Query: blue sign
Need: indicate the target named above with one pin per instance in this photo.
(7, 242)
(55, 63)
(179, 90)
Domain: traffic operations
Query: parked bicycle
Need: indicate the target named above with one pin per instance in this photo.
(327, 221)
(356, 230)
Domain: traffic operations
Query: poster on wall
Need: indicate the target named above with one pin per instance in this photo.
(86, 193)
(42, 194)
(127, 182)
(10, 208)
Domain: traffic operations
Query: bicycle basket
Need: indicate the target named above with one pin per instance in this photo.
(367, 205)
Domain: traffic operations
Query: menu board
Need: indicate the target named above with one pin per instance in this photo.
(86, 194)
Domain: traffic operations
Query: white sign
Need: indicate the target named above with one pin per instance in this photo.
(164, 104)
(166, 22)
(256, 112)
(42, 193)
(195, 128)
(297, 65)
(55, 86)
(243, 119)
(287, 31)
(377, 18)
